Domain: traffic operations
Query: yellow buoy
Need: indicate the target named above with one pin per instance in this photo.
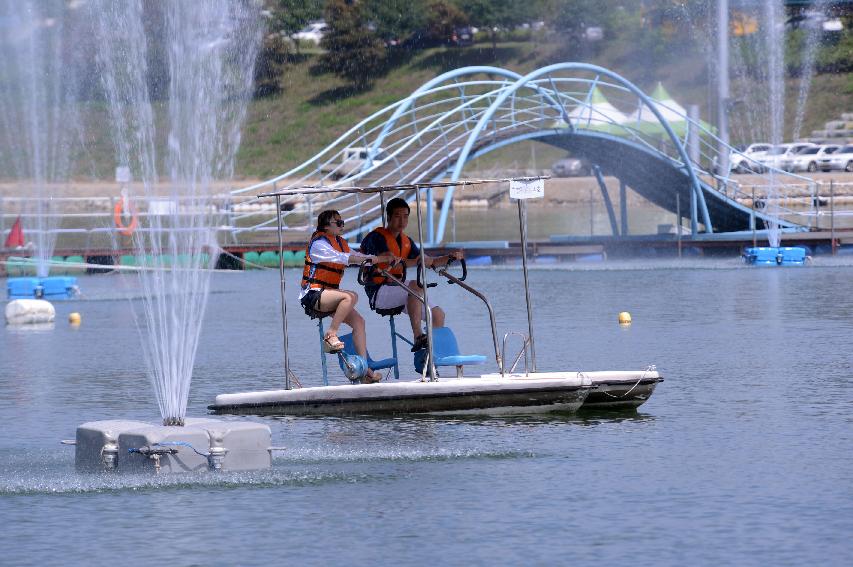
(74, 318)
(624, 318)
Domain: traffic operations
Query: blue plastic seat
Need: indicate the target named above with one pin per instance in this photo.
(349, 348)
(446, 352)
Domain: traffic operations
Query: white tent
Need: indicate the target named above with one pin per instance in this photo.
(644, 120)
(663, 102)
(597, 115)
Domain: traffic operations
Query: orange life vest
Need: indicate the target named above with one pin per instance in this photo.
(323, 275)
(395, 249)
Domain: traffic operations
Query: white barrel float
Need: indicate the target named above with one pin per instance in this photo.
(29, 312)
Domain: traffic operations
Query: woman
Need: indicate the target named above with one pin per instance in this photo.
(326, 257)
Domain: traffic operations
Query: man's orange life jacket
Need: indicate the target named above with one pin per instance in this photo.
(323, 275)
(395, 249)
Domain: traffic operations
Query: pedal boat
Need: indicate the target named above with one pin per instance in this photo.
(503, 393)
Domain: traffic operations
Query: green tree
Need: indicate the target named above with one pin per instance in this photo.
(395, 20)
(352, 50)
(271, 64)
(495, 14)
(290, 16)
(443, 18)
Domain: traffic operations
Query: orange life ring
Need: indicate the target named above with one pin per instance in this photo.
(126, 230)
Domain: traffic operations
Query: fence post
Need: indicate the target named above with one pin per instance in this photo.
(816, 205)
(752, 215)
(678, 222)
(832, 215)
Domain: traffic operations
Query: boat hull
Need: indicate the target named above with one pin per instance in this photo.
(538, 393)
(615, 389)
(620, 394)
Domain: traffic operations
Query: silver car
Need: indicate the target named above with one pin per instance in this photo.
(570, 167)
(807, 159)
(839, 160)
(777, 156)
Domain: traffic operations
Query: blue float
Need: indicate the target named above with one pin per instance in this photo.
(775, 256)
(55, 287)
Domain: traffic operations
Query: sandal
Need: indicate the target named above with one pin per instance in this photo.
(332, 344)
(372, 377)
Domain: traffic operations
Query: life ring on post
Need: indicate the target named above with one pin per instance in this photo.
(118, 213)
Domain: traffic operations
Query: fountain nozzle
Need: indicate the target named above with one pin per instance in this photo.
(173, 421)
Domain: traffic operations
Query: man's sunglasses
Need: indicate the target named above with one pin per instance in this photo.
(339, 223)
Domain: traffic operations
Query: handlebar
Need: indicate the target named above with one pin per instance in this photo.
(420, 277)
(365, 272)
(367, 269)
(443, 270)
(464, 268)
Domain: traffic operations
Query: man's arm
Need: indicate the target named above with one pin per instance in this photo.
(432, 261)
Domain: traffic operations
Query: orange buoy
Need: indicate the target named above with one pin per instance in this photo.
(118, 213)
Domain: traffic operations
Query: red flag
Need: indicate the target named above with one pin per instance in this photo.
(16, 236)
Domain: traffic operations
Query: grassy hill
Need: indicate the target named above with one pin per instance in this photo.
(315, 107)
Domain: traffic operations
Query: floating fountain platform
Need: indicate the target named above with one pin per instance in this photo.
(53, 287)
(201, 444)
(29, 312)
(775, 256)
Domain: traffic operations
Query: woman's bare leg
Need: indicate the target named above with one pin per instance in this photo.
(359, 337)
(342, 302)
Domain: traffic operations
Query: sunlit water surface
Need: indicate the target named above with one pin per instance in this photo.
(742, 456)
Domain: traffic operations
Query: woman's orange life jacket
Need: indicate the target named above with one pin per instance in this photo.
(395, 249)
(323, 275)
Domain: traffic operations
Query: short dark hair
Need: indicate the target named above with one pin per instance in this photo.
(393, 205)
(325, 218)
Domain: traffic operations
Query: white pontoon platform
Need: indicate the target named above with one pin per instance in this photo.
(536, 393)
(504, 392)
(489, 394)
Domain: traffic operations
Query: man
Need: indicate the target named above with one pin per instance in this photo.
(383, 293)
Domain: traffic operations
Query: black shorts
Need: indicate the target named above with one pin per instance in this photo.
(311, 303)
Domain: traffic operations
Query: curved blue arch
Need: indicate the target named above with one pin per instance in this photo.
(461, 114)
(481, 124)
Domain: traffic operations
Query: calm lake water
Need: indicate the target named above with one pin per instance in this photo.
(743, 456)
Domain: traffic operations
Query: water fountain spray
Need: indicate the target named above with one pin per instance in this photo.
(40, 84)
(209, 48)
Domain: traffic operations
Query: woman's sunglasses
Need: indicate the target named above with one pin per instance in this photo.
(339, 223)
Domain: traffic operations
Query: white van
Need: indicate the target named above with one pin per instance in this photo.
(743, 162)
(353, 160)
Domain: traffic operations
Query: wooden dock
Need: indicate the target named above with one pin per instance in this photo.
(558, 249)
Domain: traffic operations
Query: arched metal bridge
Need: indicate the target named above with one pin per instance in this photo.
(430, 135)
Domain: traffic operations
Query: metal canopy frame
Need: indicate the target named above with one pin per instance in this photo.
(417, 188)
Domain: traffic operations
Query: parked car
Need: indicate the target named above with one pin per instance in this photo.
(840, 159)
(353, 160)
(808, 158)
(776, 157)
(462, 36)
(744, 161)
(312, 33)
(570, 167)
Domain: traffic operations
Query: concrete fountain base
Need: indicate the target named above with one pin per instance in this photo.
(200, 444)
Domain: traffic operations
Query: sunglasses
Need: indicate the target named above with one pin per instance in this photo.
(339, 223)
